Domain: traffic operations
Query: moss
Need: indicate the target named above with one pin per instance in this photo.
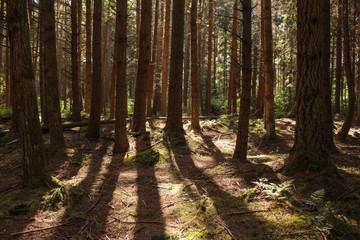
(147, 158)
(165, 236)
(24, 208)
(203, 234)
(250, 193)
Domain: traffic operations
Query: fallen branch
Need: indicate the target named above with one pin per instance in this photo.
(143, 222)
(347, 193)
(226, 228)
(40, 229)
(247, 212)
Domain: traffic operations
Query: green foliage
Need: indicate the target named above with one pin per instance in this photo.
(146, 158)
(165, 236)
(23, 208)
(272, 190)
(218, 106)
(204, 234)
(55, 197)
(5, 114)
(282, 102)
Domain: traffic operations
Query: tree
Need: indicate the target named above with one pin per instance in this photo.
(338, 58)
(309, 152)
(88, 81)
(174, 119)
(233, 64)
(50, 72)
(93, 130)
(143, 72)
(208, 80)
(22, 74)
(326, 81)
(195, 85)
(243, 128)
(349, 76)
(165, 63)
(121, 141)
(260, 96)
(76, 108)
(269, 72)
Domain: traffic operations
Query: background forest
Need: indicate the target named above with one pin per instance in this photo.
(179, 119)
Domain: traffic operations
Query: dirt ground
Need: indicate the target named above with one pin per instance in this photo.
(176, 187)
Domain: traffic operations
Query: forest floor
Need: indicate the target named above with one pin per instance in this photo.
(181, 188)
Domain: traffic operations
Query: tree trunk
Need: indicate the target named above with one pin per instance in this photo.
(93, 130)
(157, 96)
(254, 76)
(199, 64)
(34, 163)
(174, 120)
(326, 81)
(153, 60)
(261, 89)
(233, 56)
(1, 44)
(47, 13)
(88, 81)
(113, 79)
(243, 128)
(187, 54)
(338, 58)
(269, 72)
(121, 141)
(208, 81)
(310, 152)
(76, 108)
(7, 77)
(143, 72)
(195, 85)
(79, 18)
(165, 63)
(349, 76)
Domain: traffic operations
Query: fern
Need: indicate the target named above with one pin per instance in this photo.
(272, 190)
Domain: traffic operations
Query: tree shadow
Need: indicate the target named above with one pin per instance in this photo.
(225, 203)
(149, 217)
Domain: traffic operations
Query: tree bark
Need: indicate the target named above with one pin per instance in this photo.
(326, 81)
(157, 95)
(88, 81)
(195, 85)
(153, 61)
(50, 72)
(309, 152)
(121, 141)
(260, 96)
(269, 73)
(93, 130)
(143, 72)
(165, 63)
(174, 120)
(208, 80)
(243, 128)
(254, 76)
(349, 76)
(34, 163)
(233, 56)
(76, 108)
(187, 54)
(79, 18)
(338, 58)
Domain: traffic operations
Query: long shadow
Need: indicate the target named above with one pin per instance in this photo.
(241, 226)
(149, 217)
(82, 198)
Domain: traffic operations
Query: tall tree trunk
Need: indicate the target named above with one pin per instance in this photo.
(113, 79)
(310, 152)
(34, 163)
(269, 72)
(47, 13)
(143, 72)
(195, 85)
(157, 96)
(43, 97)
(254, 76)
(338, 58)
(187, 54)
(358, 113)
(349, 76)
(88, 80)
(121, 141)
(165, 63)
(79, 18)
(174, 119)
(1, 44)
(199, 64)
(233, 60)
(7, 76)
(76, 108)
(210, 36)
(261, 89)
(243, 128)
(93, 130)
(153, 60)
(326, 81)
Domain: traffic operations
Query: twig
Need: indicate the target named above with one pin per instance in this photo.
(40, 229)
(347, 193)
(196, 215)
(97, 201)
(226, 228)
(123, 189)
(322, 233)
(247, 212)
(143, 222)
